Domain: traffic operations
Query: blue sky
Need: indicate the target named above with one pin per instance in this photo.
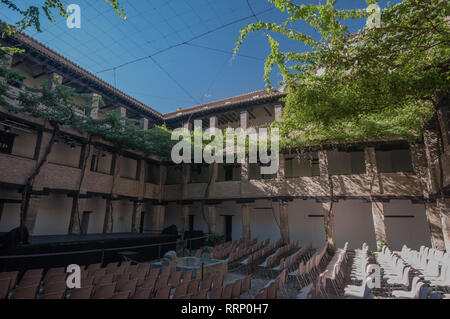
(192, 73)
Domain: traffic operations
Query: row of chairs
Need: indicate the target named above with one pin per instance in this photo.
(222, 251)
(397, 274)
(113, 281)
(359, 273)
(335, 269)
(270, 261)
(433, 265)
(291, 261)
(242, 251)
(266, 249)
(272, 288)
(232, 290)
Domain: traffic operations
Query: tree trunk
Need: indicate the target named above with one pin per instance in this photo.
(31, 178)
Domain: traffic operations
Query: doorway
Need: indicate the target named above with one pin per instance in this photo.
(228, 227)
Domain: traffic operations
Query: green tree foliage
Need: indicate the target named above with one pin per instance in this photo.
(31, 15)
(381, 82)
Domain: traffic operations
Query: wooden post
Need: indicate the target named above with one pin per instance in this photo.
(327, 206)
(284, 221)
(374, 183)
(246, 221)
(419, 162)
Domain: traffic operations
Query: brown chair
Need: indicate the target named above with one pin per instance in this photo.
(163, 293)
(125, 264)
(127, 285)
(262, 294)
(97, 272)
(181, 290)
(30, 281)
(162, 282)
(82, 293)
(104, 291)
(54, 278)
(112, 265)
(272, 289)
(25, 292)
(193, 287)
(149, 284)
(103, 280)
(12, 276)
(140, 277)
(122, 295)
(58, 271)
(154, 272)
(54, 287)
(144, 268)
(216, 293)
(87, 282)
(54, 295)
(32, 273)
(133, 268)
(121, 277)
(143, 293)
(236, 291)
(165, 272)
(218, 281)
(175, 279)
(201, 295)
(246, 285)
(187, 276)
(206, 284)
(4, 287)
(227, 291)
(198, 253)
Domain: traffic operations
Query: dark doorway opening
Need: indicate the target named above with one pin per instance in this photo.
(191, 222)
(141, 225)
(228, 227)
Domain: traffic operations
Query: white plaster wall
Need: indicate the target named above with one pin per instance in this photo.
(303, 228)
(122, 214)
(262, 223)
(97, 206)
(354, 223)
(53, 215)
(10, 217)
(413, 232)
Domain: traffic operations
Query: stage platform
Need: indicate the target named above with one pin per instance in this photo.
(63, 250)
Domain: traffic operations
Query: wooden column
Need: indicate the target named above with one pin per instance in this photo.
(108, 223)
(246, 221)
(328, 213)
(374, 185)
(32, 212)
(95, 106)
(212, 219)
(136, 217)
(245, 167)
(278, 110)
(284, 221)
(214, 122)
(445, 221)
(419, 163)
(144, 124)
(185, 209)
